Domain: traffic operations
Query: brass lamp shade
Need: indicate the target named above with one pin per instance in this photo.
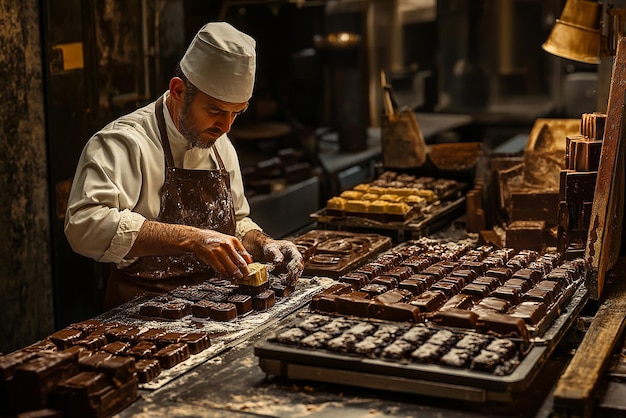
(576, 34)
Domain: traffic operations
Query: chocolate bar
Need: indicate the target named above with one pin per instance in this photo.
(147, 369)
(172, 354)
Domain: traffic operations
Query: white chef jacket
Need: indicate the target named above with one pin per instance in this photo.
(119, 178)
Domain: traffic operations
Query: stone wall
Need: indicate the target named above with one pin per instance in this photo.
(25, 270)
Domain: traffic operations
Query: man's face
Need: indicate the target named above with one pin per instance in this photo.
(203, 119)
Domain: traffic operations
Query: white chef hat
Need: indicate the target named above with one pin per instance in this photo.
(221, 62)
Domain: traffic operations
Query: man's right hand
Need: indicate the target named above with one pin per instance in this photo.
(224, 253)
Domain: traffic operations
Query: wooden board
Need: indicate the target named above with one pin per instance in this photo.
(605, 228)
(575, 391)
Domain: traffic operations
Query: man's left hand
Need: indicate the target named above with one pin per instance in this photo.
(283, 256)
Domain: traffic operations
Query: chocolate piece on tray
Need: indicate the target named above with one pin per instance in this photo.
(458, 318)
(242, 302)
(355, 279)
(190, 293)
(416, 263)
(120, 369)
(389, 282)
(459, 282)
(427, 353)
(11, 361)
(476, 266)
(491, 282)
(253, 290)
(539, 295)
(66, 337)
(202, 308)
(34, 381)
(467, 274)
(503, 325)
(323, 302)
(510, 294)
(147, 369)
(374, 289)
(429, 300)
(456, 357)
(522, 285)
(460, 301)
(122, 333)
(92, 342)
(355, 303)
(263, 300)
(531, 275)
(503, 347)
(87, 326)
(486, 361)
(175, 310)
(554, 287)
(472, 342)
(143, 349)
(91, 363)
(396, 311)
(531, 312)
(196, 341)
(152, 334)
(476, 291)
(172, 354)
(116, 347)
(151, 308)
(281, 289)
(169, 338)
(412, 285)
(223, 311)
(494, 304)
(448, 288)
(502, 273)
(87, 394)
(428, 280)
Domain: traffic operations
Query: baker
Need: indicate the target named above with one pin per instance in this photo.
(159, 193)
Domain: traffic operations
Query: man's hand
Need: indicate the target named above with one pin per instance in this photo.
(224, 253)
(283, 255)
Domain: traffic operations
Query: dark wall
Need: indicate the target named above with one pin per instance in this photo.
(25, 273)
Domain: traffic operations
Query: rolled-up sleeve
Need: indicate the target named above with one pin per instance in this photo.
(102, 221)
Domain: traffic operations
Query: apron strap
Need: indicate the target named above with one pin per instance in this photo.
(165, 141)
(220, 163)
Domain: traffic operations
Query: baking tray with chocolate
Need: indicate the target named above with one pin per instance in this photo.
(206, 319)
(454, 341)
(333, 253)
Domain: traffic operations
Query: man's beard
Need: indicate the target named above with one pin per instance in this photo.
(189, 131)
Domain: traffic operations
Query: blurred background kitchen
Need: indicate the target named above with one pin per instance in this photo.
(473, 70)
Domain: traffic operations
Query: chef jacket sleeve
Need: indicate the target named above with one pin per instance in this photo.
(101, 222)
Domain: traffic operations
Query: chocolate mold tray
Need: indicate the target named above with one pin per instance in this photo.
(333, 253)
(324, 365)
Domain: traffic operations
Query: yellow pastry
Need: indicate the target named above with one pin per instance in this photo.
(257, 276)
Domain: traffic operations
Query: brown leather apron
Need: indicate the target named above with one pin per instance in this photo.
(199, 198)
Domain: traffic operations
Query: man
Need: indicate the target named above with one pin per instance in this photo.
(159, 192)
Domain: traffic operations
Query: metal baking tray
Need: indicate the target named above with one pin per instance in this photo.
(223, 335)
(435, 219)
(422, 379)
